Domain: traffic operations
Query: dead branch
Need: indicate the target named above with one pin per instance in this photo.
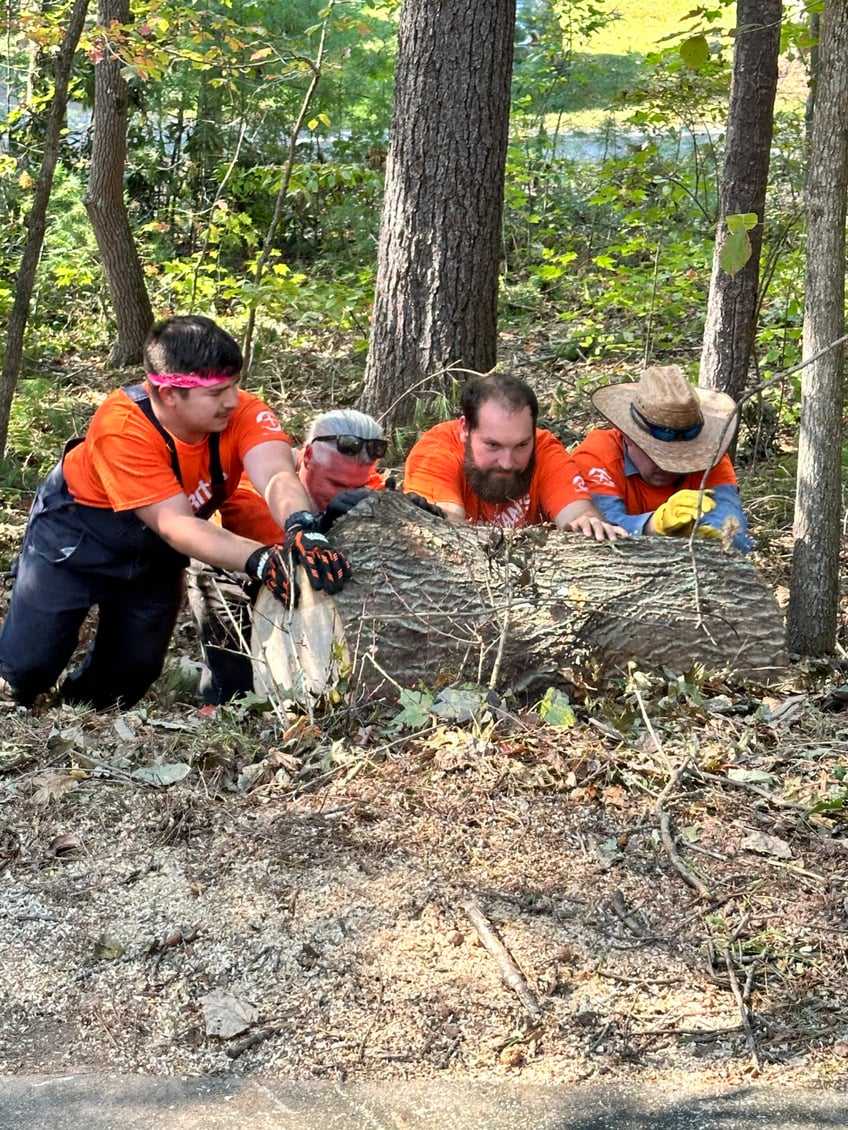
(688, 877)
(512, 975)
(744, 1011)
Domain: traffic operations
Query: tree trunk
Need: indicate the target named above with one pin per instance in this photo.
(37, 219)
(440, 241)
(814, 590)
(733, 300)
(104, 200)
(433, 603)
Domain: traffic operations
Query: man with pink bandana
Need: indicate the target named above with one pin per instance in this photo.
(116, 521)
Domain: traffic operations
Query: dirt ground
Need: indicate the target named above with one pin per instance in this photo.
(657, 893)
(182, 894)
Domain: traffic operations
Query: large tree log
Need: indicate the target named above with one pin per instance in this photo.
(433, 603)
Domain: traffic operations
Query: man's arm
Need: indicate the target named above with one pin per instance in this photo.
(451, 510)
(174, 522)
(270, 467)
(582, 517)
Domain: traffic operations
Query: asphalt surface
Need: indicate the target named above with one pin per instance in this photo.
(136, 1102)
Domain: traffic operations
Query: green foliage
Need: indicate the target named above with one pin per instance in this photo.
(736, 249)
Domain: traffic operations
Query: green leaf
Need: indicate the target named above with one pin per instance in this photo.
(414, 710)
(555, 709)
(735, 252)
(741, 221)
(695, 53)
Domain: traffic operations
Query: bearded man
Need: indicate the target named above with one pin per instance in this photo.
(493, 466)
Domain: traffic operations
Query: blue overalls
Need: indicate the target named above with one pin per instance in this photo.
(74, 557)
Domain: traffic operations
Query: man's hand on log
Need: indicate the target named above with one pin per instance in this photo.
(679, 513)
(591, 524)
(326, 568)
(270, 564)
(341, 504)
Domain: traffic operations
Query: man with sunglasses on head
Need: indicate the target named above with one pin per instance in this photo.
(663, 467)
(493, 466)
(337, 467)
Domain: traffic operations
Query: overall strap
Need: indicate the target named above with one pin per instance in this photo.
(140, 396)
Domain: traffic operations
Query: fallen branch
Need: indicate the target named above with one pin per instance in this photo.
(512, 975)
(744, 1011)
(680, 867)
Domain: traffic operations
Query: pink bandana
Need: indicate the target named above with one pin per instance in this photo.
(190, 380)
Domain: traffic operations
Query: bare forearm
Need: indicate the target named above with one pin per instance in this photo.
(284, 494)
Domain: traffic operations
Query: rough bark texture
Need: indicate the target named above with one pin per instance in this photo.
(440, 242)
(37, 219)
(104, 200)
(814, 593)
(433, 603)
(732, 305)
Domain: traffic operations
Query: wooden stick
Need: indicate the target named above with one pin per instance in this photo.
(510, 972)
(744, 1011)
(680, 867)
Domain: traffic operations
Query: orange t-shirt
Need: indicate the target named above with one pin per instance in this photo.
(600, 459)
(246, 512)
(124, 462)
(434, 469)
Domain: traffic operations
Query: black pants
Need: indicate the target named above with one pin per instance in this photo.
(72, 559)
(221, 603)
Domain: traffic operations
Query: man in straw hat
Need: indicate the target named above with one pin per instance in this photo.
(116, 521)
(494, 467)
(647, 472)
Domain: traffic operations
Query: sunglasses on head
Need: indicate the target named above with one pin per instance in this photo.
(663, 433)
(352, 445)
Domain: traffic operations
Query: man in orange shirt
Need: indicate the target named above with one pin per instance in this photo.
(116, 522)
(669, 440)
(493, 466)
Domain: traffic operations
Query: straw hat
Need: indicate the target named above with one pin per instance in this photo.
(664, 399)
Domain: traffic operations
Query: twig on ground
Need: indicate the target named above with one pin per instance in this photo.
(235, 1050)
(512, 975)
(680, 867)
(772, 798)
(744, 1011)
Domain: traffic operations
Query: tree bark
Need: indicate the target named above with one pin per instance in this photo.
(433, 603)
(733, 300)
(37, 218)
(104, 199)
(814, 590)
(440, 242)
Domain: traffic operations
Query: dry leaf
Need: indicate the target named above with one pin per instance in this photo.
(766, 845)
(227, 1016)
(51, 786)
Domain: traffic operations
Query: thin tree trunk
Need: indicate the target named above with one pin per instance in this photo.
(104, 199)
(37, 219)
(733, 300)
(814, 588)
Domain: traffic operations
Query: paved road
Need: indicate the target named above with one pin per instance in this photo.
(135, 1102)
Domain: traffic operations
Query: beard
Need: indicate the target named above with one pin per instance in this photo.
(497, 486)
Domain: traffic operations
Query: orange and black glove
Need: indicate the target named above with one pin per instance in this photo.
(270, 564)
(326, 568)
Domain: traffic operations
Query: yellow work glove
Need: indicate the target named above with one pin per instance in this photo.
(704, 531)
(678, 514)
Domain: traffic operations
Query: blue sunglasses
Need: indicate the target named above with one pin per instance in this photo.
(661, 432)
